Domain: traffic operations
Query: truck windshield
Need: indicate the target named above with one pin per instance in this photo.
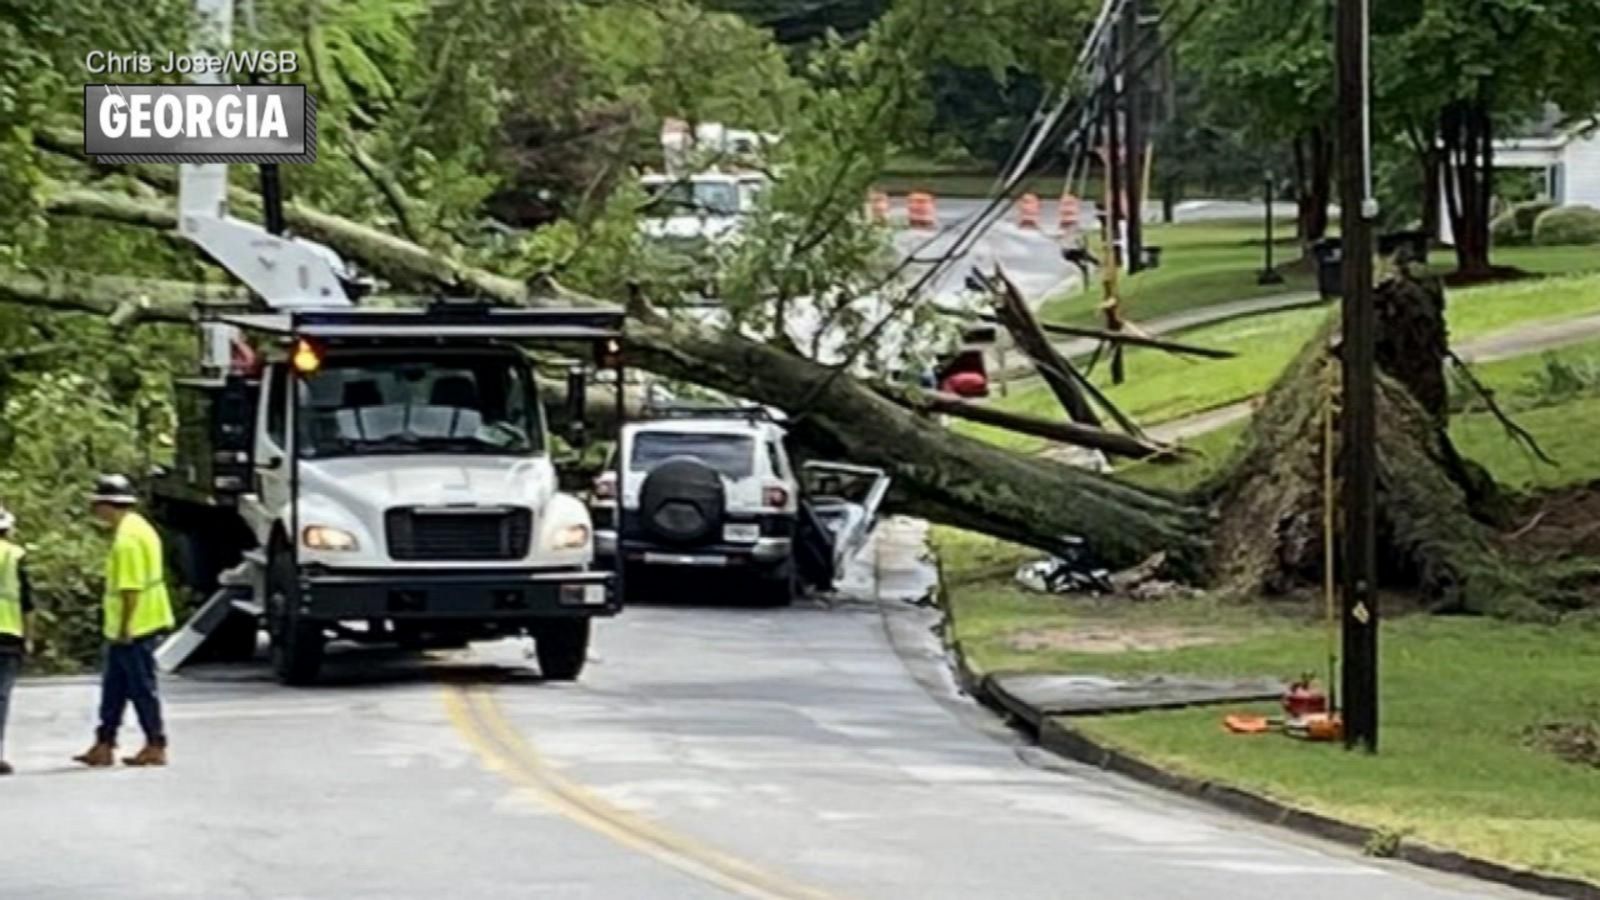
(455, 404)
(732, 455)
(690, 198)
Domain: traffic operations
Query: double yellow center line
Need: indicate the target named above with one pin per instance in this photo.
(483, 725)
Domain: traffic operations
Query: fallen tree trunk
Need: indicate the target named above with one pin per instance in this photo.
(940, 475)
(125, 300)
(1064, 432)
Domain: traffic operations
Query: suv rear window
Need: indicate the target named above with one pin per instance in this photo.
(732, 455)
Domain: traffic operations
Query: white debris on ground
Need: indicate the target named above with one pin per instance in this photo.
(1078, 574)
(896, 564)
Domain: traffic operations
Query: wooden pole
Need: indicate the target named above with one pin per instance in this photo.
(1133, 136)
(1359, 680)
(1116, 249)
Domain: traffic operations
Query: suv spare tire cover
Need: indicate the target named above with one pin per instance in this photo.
(682, 502)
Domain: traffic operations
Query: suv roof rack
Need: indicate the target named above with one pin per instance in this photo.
(751, 413)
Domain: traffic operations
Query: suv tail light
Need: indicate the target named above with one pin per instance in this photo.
(605, 487)
(775, 497)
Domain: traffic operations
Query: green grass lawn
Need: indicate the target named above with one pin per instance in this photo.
(1568, 430)
(1201, 264)
(1205, 263)
(1459, 696)
(1545, 260)
(1161, 387)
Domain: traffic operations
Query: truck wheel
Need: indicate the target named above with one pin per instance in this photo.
(562, 646)
(296, 643)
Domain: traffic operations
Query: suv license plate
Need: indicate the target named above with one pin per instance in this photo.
(741, 534)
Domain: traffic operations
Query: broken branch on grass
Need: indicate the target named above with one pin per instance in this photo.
(1517, 432)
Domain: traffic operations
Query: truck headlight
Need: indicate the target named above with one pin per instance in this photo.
(323, 537)
(572, 537)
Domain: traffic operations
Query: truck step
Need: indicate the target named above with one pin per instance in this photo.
(182, 644)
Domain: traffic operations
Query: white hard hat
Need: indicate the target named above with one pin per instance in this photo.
(117, 490)
(7, 520)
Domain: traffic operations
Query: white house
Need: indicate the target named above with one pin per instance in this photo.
(1569, 158)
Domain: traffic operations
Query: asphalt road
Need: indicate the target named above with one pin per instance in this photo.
(708, 752)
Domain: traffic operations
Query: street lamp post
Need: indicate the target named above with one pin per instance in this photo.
(1269, 274)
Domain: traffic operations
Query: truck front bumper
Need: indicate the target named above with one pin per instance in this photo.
(339, 594)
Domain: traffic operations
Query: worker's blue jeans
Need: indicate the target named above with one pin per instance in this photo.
(130, 676)
(10, 666)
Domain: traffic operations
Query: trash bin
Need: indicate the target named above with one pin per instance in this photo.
(1404, 246)
(1329, 253)
(1152, 257)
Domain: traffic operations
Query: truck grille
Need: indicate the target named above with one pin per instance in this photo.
(456, 535)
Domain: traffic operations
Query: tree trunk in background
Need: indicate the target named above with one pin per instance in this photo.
(1432, 163)
(1466, 130)
(1313, 180)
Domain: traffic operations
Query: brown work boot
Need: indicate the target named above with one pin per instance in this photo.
(5, 768)
(99, 756)
(153, 754)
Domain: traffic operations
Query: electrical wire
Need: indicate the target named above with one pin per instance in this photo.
(1002, 203)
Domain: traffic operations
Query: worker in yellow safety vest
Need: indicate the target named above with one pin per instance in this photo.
(137, 612)
(16, 611)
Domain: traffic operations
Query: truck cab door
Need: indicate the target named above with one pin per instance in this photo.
(839, 511)
(271, 477)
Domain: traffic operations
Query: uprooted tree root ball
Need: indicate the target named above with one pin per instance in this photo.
(1435, 509)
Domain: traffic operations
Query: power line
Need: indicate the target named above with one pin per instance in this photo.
(1001, 203)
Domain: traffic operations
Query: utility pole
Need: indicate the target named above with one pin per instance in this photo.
(1114, 152)
(1358, 209)
(1133, 140)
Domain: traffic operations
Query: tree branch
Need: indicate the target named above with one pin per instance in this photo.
(1078, 435)
(1517, 432)
(399, 204)
(126, 301)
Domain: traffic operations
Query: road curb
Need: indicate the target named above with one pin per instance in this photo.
(1054, 736)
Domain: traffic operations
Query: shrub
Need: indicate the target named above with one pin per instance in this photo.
(1568, 226)
(104, 405)
(1503, 231)
(1526, 214)
(1559, 380)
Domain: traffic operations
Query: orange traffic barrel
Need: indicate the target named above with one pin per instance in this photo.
(1028, 211)
(878, 206)
(1070, 212)
(920, 211)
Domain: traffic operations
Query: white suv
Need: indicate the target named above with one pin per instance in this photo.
(716, 490)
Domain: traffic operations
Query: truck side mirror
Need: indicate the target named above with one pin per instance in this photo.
(577, 402)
